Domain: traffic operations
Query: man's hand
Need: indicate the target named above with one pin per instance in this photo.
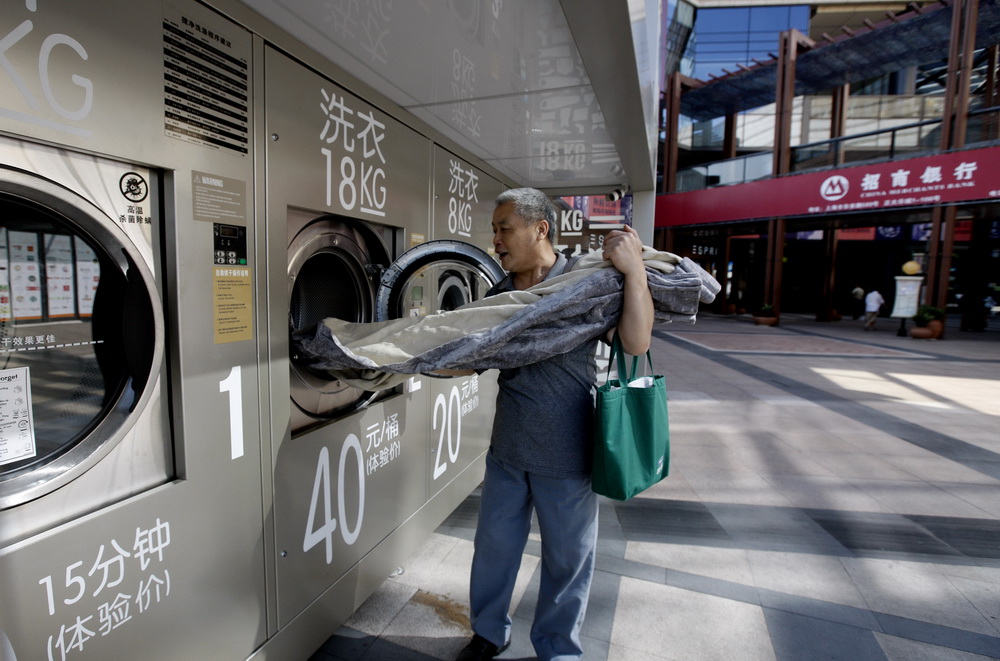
(624, 248)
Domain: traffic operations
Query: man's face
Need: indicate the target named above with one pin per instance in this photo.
(516, 241)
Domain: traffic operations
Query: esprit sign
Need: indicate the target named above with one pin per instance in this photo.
(961, 176)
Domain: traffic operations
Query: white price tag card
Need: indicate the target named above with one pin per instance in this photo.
(17, 428)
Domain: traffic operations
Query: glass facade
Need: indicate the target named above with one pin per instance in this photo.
(725, 37)
(896, 113)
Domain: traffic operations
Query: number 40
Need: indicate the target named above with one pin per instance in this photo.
(321, 494)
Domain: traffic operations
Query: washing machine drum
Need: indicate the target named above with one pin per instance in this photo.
(333, 268)
(337, 269)
(80, 336)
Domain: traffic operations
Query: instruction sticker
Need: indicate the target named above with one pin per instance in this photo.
(232, 290)
(17, 428)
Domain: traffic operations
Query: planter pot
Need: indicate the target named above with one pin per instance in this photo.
(765, 321)
(931, 331)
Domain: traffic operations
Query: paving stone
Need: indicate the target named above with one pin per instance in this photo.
(838, 501)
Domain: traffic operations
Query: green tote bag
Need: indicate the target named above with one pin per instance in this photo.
(631, 432)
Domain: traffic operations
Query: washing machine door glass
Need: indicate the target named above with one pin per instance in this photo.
(333, 266)
(436, 276)
(80, 336)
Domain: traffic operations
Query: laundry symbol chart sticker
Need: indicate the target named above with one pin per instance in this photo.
(17, 430)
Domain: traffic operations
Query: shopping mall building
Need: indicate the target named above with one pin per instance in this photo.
(811, 149)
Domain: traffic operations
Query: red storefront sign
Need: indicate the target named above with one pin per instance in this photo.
(961, 176)
(856, 234)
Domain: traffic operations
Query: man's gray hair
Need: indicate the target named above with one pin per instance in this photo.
(532, 205)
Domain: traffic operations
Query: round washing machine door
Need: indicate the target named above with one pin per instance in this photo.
(333, 267)
(436, 276)
(81, 335)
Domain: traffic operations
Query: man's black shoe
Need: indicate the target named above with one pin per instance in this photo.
(480, 649)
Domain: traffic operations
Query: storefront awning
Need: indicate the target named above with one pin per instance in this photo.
(945, 178)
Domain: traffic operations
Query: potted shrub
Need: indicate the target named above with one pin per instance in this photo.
(765, 316)
(928, 323)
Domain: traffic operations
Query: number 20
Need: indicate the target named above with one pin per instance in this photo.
(450, 409)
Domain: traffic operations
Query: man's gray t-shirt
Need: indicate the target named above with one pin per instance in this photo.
(544, 414)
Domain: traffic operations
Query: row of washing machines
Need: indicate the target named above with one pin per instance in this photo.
(177, 195)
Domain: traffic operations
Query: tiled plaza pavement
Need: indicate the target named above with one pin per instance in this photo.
(833, 494)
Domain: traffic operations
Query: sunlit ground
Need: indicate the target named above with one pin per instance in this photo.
(981, 395)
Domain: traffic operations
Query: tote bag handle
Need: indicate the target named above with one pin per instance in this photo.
(618, 355)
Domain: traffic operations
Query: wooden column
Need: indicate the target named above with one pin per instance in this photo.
(723, 275)
(953, 128)
(677, 84)
(826, 310)
(966, 47)
(670, 145)
(784, 95)
(783, 98)
(774, 262)
(954, 55)
(992, 93)
(667, 130)
(668, 240)
(838, 120)
(729, 145)
(933, 265)
(944, 262)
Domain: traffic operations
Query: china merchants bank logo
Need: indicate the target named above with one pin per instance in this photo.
(834, 188)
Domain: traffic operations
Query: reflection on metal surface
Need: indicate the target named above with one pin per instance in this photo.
(505, 81)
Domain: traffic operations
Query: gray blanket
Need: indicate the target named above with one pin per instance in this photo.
(510, 329)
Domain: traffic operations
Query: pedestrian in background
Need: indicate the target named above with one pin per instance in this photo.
(873, 304)
(857, 302)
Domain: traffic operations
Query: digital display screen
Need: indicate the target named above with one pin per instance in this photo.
(229, 231)
(417, 294)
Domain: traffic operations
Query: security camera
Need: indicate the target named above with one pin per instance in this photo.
(615, 195)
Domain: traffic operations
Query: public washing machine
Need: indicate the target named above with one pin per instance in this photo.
(82, 337)
(131, 517)
(181, 187)
(360, 478)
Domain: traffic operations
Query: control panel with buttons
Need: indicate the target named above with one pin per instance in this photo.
(230, 245)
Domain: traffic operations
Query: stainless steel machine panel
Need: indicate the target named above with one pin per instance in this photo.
(340, 172)
(350, 188)
(347, 157)
(150, 546)
(463, 201)
(462, 408)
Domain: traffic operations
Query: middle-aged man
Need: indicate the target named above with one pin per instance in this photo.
(540, 451)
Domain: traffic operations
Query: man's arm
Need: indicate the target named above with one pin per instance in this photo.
(624, 249)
